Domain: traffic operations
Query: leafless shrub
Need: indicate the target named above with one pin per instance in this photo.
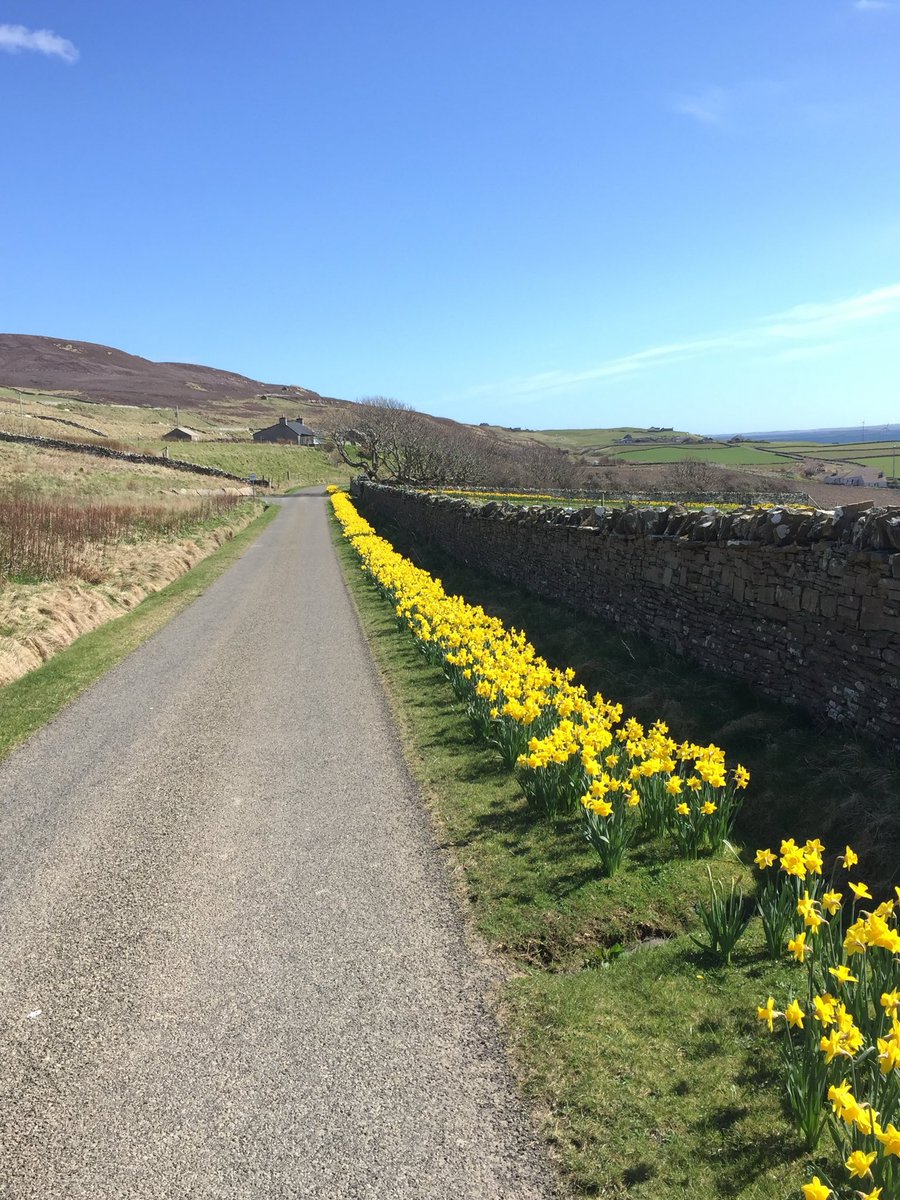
(693, 475)
(391, 442)
(48, 539)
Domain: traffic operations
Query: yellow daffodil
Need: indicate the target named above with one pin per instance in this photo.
(841, 1099)
(816, 1190)
(859, 890)
(764, 859)
(794, 1015)
(831, 1045)
(855, 939)
(793, 862)
(842, 974)
(825, 1009)
(890, 1139)
(858, 1163)
(768, 1013)
(798, 947)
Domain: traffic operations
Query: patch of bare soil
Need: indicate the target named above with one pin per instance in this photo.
(660, 478)
(830, 495)
(38, 620)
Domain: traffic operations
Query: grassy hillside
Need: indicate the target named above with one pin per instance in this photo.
(662, 447)
(283, 465)
(46, 413)
(741, 455)
(27, 471)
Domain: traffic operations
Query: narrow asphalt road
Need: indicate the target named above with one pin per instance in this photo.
(230, 961)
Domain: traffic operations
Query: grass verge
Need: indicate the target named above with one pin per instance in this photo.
(35, 699)
(644, 1063)
(809, 778)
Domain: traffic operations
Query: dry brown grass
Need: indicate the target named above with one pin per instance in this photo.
(32, 471)
(38, 620)
(43, 415)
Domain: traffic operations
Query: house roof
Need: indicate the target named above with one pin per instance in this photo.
(296, 427)
(182, 429)
(867, 474)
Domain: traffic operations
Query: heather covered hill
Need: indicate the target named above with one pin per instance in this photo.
(102, 373)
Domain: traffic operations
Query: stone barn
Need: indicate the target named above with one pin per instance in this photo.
(292, 433)
(181, 433)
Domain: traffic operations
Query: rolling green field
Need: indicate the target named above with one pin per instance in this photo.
(742, 455)
(583, 440)
(289, 465)
(663, 448)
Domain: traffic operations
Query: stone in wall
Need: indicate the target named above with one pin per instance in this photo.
(802, 604)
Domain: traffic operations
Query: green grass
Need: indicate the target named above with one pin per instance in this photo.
(27, 471)
(654, 1078)
(32, 701)
(739, 456)
(647, 1069)
(809, 779)
(298, 466)
(583, 439)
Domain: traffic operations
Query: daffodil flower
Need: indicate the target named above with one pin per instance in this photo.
(815, 1190)
(842, 974)
(794, 1015)
(859, 1163)
(768, 1013)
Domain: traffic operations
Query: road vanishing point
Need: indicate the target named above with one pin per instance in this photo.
(231, 961)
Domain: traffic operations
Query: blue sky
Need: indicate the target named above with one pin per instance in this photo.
(549, 214)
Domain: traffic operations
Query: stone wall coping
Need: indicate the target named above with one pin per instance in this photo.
(862, 525)
(176, 464)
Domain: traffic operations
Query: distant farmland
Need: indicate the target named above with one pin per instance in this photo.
(659, 448)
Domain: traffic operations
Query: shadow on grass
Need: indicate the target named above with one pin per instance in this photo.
(809, 779)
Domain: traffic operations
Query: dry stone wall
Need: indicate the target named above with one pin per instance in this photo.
(803, 605)
(154, 460)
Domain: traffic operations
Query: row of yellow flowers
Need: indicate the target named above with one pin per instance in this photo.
(574, 753)
(541, 497)
(577, 754)
(840, 1040)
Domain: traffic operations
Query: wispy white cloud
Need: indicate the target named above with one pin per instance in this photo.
(715, 105)
(15, 38)
(799, 331)
(710, 106)
(871, 5)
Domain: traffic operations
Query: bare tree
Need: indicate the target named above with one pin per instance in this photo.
(694, 475)
(391, 442)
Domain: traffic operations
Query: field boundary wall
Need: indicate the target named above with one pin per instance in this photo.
(154, 460)
(802, 605)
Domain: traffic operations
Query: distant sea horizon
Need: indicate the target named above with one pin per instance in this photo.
(851, 433)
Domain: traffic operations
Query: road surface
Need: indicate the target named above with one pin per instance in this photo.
(230, 961)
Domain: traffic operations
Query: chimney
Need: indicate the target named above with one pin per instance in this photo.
(282, 420)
